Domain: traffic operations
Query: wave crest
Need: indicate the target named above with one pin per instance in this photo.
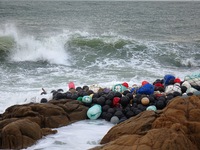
(30, 48)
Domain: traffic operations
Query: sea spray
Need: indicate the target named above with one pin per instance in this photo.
(30, 48)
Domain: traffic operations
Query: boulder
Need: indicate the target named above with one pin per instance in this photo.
(177, 126)
(19, 134)
(22, 125)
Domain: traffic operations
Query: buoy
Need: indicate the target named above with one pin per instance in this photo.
(114, 120)
(71, 85)
(87, 99)
(145, 100)
(94, 112)
(152, 107)
(144, 82)
(80, 98)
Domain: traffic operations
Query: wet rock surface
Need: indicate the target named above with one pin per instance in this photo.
(177, 126)
(22, 125)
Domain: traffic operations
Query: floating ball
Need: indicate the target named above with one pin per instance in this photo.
(110, 95)
(74, 96)
(82, 93)
(119, 114)
(105, 108)
(152, 98)
(177, 80)
(126, 92)
(134, 105)
(151, 108)
(116, 101)
(124, 101)
(106, 90)
(125, 110)
(85, 88)
(130, 114)
(78, 89)
(87, 99)
(130, 95)
(103, 115)
(137, 111)
(162, 98)
(114, 120)
(43, 100)
(122, 119)
(94, 100)
(94, 112)
(101, 100)
(183, 89)
(144, 82)
(108, 116)
(169, 96)
(190, 94)
(141, 107)
(125, 84)
(108, 102)
(118, 94)
(71, 85)
(145, 100)
(175, 94)
(160, 104)
(59, 96)
(137, 98)
(80, 98)
(60, 90)
(111, 110)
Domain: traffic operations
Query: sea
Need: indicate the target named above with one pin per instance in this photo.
(47, 44)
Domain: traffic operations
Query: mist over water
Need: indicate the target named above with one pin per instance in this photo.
(46, 44)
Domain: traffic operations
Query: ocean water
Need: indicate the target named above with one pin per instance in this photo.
(47, 44)
(80, 136)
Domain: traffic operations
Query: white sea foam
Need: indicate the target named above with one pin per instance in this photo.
(81, 135)
(30, 48)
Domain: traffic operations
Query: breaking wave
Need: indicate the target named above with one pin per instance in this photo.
(85, 49)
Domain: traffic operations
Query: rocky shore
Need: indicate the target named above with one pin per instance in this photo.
(162, 115)
(174, 127)
(22, 125)
(177, 126)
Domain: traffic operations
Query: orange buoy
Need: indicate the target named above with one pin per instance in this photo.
(145, 101)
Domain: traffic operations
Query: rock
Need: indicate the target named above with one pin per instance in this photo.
(177, 126)
(19, 134)
(22, 125)
(133, 125)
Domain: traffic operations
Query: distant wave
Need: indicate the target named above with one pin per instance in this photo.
(130, 52)
(103, 50)
(96, 42)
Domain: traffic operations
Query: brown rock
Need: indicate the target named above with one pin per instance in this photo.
(19, 134)
(49, 115)
(22, 125)
(134, 125)
(74, 109)
(176, 127)
(47, 131)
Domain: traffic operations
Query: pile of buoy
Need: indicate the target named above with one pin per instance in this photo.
(122, 102)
